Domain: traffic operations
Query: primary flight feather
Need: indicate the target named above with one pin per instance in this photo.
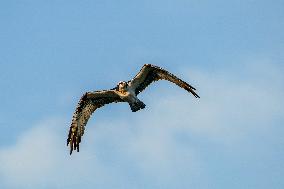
(123, 92)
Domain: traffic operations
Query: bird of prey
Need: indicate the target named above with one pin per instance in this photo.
(123, 92)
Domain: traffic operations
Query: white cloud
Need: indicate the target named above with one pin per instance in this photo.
(235, 101)
(155, 150)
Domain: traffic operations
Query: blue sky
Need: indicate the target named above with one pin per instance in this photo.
(51, 52)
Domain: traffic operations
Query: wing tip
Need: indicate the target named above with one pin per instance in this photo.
(197, 96)
(192, 91)
(74, 143)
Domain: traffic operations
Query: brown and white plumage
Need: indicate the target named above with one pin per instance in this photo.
(88, 103)
(150, 73)
(123, 92)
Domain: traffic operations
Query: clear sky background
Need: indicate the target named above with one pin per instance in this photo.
(51, 52)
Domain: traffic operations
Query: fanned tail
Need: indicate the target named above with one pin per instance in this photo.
(138, 105)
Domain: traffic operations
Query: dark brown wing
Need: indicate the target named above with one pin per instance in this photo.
(150, 73)
(88, 103)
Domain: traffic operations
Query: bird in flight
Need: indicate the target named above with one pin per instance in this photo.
(123, 92)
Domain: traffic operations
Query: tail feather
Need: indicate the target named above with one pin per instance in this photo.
(137, 106)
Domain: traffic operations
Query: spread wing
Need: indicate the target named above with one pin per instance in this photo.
(150, 73)
(88, 103)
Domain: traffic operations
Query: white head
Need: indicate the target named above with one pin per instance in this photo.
(122, 85)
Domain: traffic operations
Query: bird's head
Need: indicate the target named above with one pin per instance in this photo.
(122, 85)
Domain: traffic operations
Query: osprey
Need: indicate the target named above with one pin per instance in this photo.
(123, 92)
